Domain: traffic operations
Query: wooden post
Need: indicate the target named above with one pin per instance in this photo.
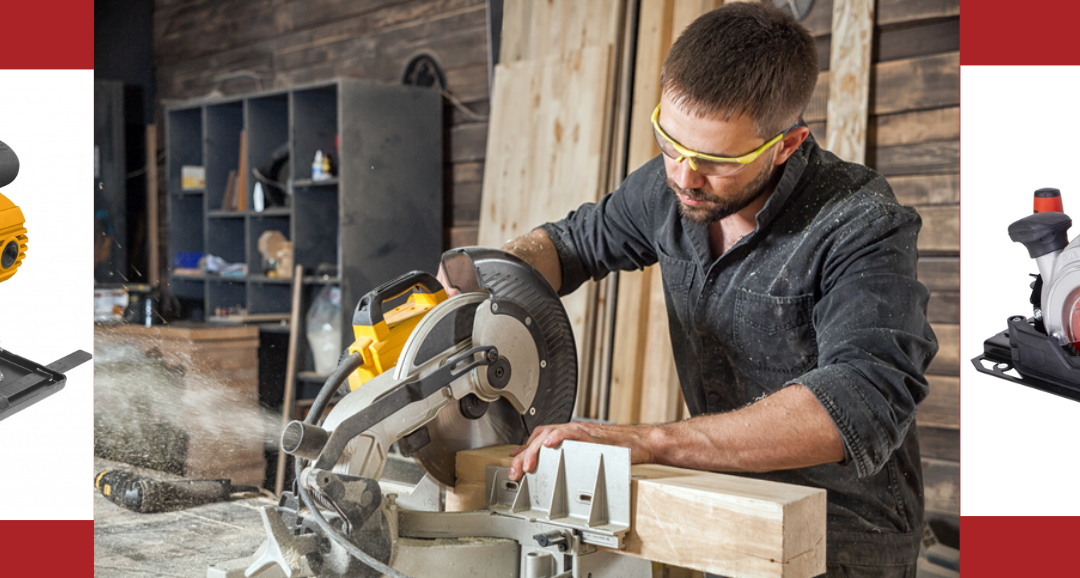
(849, 79)
(152, 215)
(290, 371)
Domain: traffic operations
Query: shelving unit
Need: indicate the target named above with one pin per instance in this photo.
(379, 217)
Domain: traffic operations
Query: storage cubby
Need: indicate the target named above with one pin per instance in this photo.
(378, 218)
(223, 125)
(314, 206)
(315, 128)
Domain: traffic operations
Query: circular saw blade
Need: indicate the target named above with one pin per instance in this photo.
(521, 292)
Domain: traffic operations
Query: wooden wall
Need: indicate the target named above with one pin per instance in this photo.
(913, 138)
(239, 46)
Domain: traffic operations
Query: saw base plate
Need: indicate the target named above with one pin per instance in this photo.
(1036, 358)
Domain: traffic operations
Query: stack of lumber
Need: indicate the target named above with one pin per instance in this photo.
(550, 137)
(709, 522)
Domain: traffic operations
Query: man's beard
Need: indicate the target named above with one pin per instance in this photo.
(717, 208)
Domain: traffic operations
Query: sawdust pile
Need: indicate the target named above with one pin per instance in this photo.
(146, 411)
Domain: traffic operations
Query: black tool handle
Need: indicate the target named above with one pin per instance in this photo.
(1041, 233)
(142, 494)
(9, 165)
(369, 311)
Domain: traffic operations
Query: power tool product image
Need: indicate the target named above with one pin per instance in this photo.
(1041, 351)
(24, 383)
(12, 231)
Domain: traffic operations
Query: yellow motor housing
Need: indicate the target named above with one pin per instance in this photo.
(380, 343)
(12, 238)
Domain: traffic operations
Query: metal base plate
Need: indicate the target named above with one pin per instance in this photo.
(998, 350)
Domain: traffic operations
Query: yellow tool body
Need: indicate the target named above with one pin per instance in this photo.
(12, 238)
(380, 337)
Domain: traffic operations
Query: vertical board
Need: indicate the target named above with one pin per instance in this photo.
(849, 79)
(545, 154)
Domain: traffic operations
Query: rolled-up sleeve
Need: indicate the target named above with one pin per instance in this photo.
(615, 233)
(874, 341)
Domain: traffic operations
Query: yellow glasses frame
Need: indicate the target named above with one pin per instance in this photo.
(690, 155)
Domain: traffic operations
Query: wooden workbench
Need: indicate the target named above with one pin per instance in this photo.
(181, 544)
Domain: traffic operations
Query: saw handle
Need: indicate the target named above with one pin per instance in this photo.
(369, 311)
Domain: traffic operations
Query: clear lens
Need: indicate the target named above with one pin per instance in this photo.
(704, 167)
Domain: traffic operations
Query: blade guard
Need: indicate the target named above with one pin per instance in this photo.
(380, 337)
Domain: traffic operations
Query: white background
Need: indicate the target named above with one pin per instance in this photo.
(46, 309)
(1020, 447)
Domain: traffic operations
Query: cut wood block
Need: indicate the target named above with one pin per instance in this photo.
(728, 525)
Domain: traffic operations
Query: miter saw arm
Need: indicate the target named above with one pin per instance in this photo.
(1041, 351)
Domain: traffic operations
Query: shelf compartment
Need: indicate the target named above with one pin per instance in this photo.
(314, 127)
(225, 293)
(223, 125)
(184, 140)
(269, 297)
(267, 126)
(315, 211)
(225, 239)
(259, 223)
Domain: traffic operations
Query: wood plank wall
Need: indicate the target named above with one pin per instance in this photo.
(240, 46)
(913, 138)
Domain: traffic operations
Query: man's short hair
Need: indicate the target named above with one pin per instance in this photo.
(744, 58)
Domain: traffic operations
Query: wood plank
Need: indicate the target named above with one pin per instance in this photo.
(916, 83)
(947, 360)
(464, 236)
(921, 39)
(632, 315)
(468, 142)
(934, 157)
(940, 443)
(942, 407)
(541, 29)
(661, 396)
(944, 307)
(548, 159)
(900, 11)
(941, 485)
(467, 172)
(927, 189)
(940, 228)
(915, 127)
(940, 273)
(679, 516)
(849, 78)
(902, 85)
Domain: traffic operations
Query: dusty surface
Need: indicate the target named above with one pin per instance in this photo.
(180, 543)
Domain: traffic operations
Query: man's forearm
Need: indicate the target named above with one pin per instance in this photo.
(786, 430)
(537, 249)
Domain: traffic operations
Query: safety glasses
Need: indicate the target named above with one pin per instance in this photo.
(708, 165)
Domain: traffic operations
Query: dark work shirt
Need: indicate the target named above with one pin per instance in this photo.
(822, 293)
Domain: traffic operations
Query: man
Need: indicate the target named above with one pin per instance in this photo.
(797, 322)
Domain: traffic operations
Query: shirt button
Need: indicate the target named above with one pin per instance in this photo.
(714, 397)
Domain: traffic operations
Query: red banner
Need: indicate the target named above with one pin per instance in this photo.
(47, 35)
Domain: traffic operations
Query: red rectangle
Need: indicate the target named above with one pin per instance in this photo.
(1020, 545)
(47, 35)
(994, 32)
(47, 547)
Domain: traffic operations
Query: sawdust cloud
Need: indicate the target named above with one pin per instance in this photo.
(147, 410)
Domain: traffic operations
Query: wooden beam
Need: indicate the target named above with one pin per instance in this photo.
(849, 78)
(152, 210)
(728, 525)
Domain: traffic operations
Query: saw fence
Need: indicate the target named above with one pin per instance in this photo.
(570, 110)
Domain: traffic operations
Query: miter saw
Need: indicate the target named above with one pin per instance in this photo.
(12, 231)
(1041, 351)
(437, 375)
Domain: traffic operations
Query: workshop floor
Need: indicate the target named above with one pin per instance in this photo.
(180, 544)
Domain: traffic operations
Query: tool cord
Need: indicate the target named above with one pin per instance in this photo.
(348, 365)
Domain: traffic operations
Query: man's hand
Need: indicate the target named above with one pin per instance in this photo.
(637, 438)
(441, 276)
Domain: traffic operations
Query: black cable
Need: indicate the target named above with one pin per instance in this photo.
(348, 365)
